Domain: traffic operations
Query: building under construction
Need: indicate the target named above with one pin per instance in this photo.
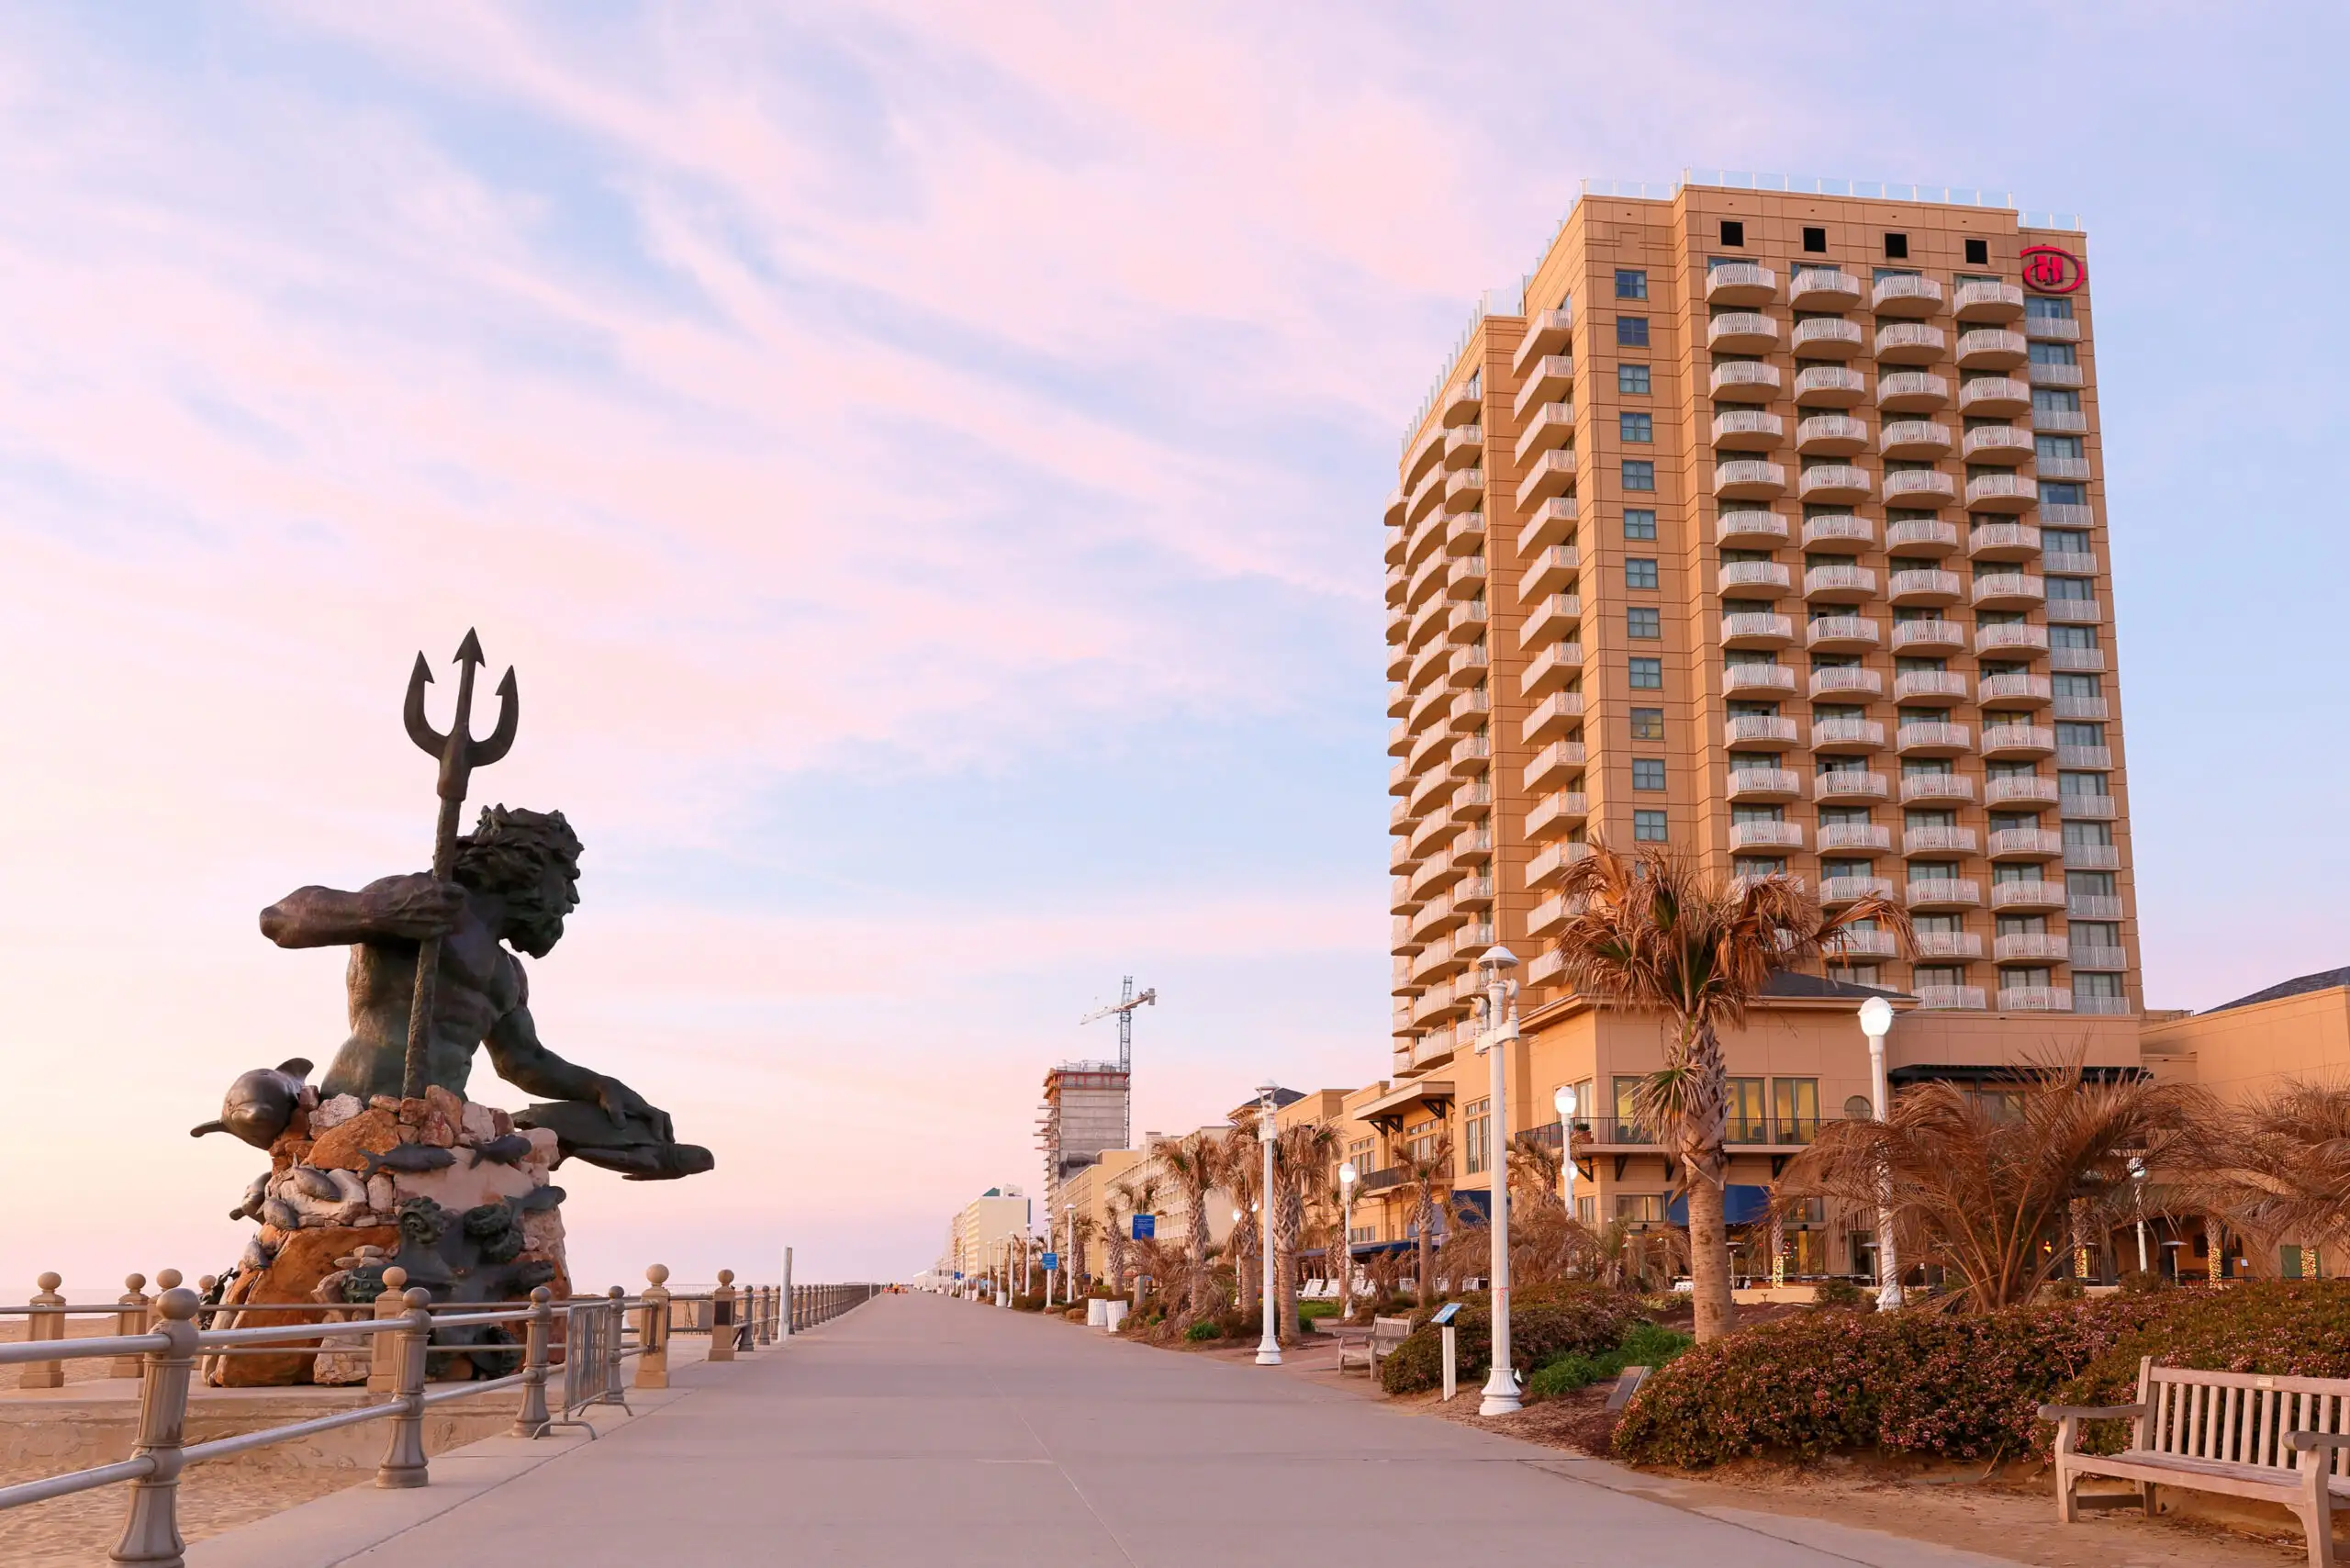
(1085, 1111)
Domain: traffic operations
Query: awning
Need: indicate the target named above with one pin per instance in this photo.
(1742, 1204)
(1389, 1111)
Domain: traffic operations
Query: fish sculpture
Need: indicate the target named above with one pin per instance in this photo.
(260, 1104)
(412, 1157)
(506, 1150)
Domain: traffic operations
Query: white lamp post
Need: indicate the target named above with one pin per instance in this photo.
(1268, 1344)
(1565, 1102)
(1876, 1018)
(1345, 1240)
(1500, 1031)
(2138, 1178)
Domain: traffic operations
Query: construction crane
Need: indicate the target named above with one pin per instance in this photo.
(1123, 1009)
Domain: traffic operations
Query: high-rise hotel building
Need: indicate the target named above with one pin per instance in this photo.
(1772, 526)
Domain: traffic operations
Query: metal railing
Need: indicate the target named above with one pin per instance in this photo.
(405, 1331)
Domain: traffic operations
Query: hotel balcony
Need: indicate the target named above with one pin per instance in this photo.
(2088, 708)
(1852, 786)
(1553, 766)
(2036, 895)
(2071, 562)
(2009, 590)
(1748, 430)
(1749, 479)
(1424, 496)
(1865, 837)
(1744, 381)
(1465, 489)
(1552, 522)
(2017, 790)
(2035, 999)
(1473, 895)
(1915, 438)
(1949, 998)
(1919, 487)
(1548, 572)
(1747, 526)
(2081, 955)
(2055, 375)
(1924, 587)
(1765, 835)
(1464, 446)
(2076, 611)
(1472, 755)
(2016, 690)
(1749, 578)
(1990, 348)
(1552, 473)
(1823, 288)
(1392, 512)
(1937, 841)
(1841, 633)
(1560, 812)
(1747, 727)
(1987, 302)
(1424, 452)
(1742, 332)
(1468, 709)
(1998, 443)
(1397, 538)
(1837, 680)
(1553, 618)
(2026, 844)
(1769, 680)
(1943, 892)
(1848, 736)
(1466, 577)
(2014, 640)
(1922, 789)
(1466, 665)
(2081, 807)
(1839, 531)
(1961, 945)
(1993, 396)
(1766, 784)
(1547, 332)
(1830, 387)
(1859, 944)
(1427, 622)
(1929, 636)
(2014, 742)
(2003, 542)
(1740, 282)
(1548, 917)
(1834, 483)
(1552, 668)
(1552, 427)
(1752, 629)
(2093, 906)
(1464, 403)
(1552, 718)
(1464, 533)
(1921, 536)
(1911, 391)
(1832, 435)
(2060, 421)
(2053, 328)
(1547, 380)
(1468, 624)
(1922, 738)
(2064, 467)
(2092, 856)
(1905, 295)
(1554, 861)
(1839, 585)
(1826, 338)
(1910, 342)
(1471, 801)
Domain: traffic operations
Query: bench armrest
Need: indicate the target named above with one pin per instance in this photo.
(2096, 1413)
(2307, 1442)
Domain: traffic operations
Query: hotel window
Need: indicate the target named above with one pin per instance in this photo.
(2090, 786)
(1638, 474)
(2053, 353)
(2058, 493)
(1978, 253)
(1639, 523)
(1815, 241)
(1648, 675)
(1632, 333)
(1476, 1120)
(1747, 1122)
(1632, 378)
(1733, 231)
(2071, 636)
(1631, 284)
(2080, 734)
(1648, 827)
(2097, 985)
(2041, 308)
(1647, 724)
(1421, 1140)
(2065, 448)
(1643, 621)
(1636, 427)
(1794, 1109)
(1640, 1208)
(1587, 1211)
(1648, 773)
(2080, 589)
(1639, 572)
(2055, 400)
(1897, 247)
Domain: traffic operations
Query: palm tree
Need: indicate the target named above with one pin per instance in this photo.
(1303, 1156)
(1138, 1196)
(1194, 1162)
(2275, 1169)
(1242, 1180)
(1081, 1230)
(1997, 1194)
(1647, 933)
(1427, 1175)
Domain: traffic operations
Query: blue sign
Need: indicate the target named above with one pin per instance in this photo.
(1446, 1314)
(1742, 1204)
(1146, 1227)
(958, 1273)
(1052, 1263)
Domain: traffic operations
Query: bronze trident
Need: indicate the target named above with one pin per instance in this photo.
(460, 753)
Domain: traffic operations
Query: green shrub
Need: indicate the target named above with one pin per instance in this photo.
(2281, 1327)
(1842, 1296)
(2145, 1281)
(1306, 1309)
(1200, 1332)
(1028, 1303)
(1544, 1325)
(1643, 1345)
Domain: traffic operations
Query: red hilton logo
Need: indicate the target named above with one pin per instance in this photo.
(2052, 271)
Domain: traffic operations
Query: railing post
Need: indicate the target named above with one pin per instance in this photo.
(151, 1533)
(131, 1319)
(785, 1325)
(404, 1455)
(617, 1352)
(45, 1326)
(767, 1314)
(382, 1363)
(532, 1418)
(652, 1358)
(721, 1318)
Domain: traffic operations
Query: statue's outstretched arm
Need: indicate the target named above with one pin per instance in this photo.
(524, 1062)
(408, 908)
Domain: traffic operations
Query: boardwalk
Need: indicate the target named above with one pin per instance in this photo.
(919, 1431)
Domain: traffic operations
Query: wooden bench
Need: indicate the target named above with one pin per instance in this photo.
(1369, 1347)
(2283, 1439)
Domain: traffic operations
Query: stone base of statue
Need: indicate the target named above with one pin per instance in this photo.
(450, 1191)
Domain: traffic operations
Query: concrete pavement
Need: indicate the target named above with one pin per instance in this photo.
(922, 1430)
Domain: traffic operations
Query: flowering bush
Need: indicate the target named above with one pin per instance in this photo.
(2285, 1327)
(1545, 1323)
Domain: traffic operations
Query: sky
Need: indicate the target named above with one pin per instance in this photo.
(925, 463)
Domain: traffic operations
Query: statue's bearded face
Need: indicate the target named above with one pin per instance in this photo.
(534, 913)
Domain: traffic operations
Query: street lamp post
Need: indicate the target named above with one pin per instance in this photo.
(1564, 1100)
(2138, 1180)
(1345, 1240)
(1500, 1033)
(1876, 1018)
(1068, 1258)
(1268, 1344)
